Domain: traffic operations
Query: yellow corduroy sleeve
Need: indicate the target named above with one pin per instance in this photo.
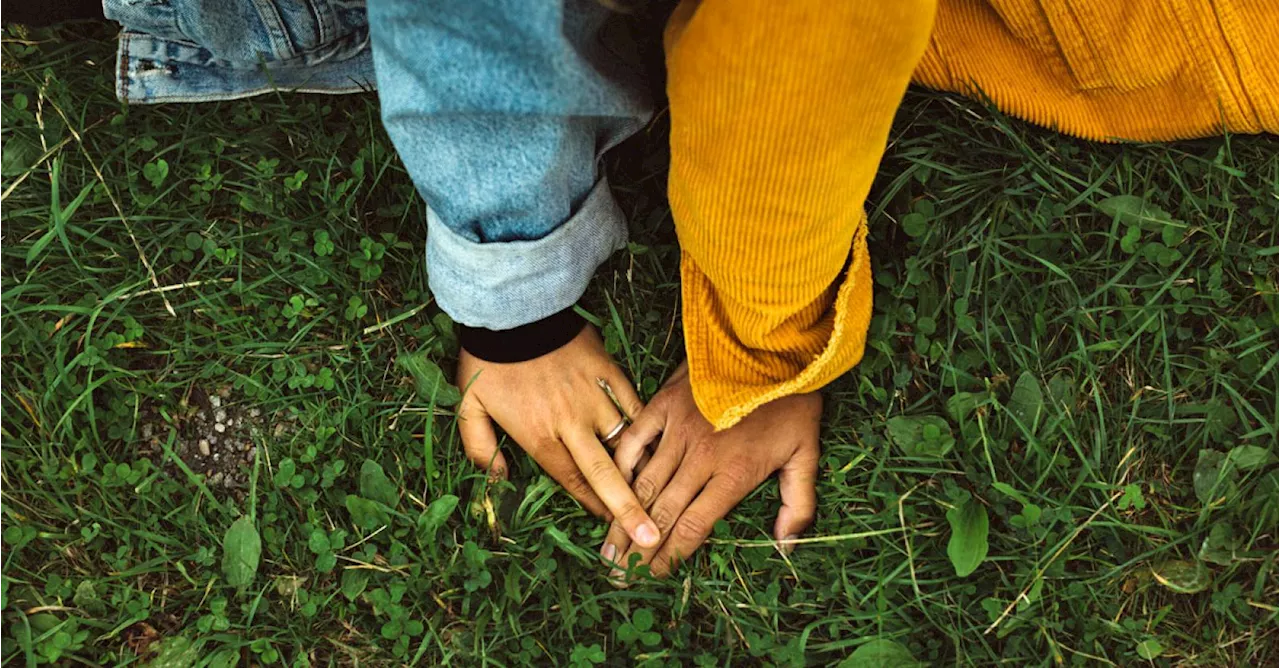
(1112, 70)
(779, 116)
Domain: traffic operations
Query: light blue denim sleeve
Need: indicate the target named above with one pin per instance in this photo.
(500, 110)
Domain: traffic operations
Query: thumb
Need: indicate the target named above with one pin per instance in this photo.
(796, 484)
(480, 441)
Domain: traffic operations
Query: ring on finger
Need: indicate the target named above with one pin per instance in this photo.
(613, 433)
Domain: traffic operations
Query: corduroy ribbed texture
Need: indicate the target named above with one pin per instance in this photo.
(776, 131)
(1113, 70)
(780, 112)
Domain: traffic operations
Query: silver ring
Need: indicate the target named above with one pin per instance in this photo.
(613, 433)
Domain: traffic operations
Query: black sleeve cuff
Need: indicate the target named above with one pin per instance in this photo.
(524, 342)
(40, 14)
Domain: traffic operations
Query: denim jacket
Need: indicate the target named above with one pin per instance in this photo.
(204, 50)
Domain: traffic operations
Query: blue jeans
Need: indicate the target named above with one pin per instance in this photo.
(499, 109)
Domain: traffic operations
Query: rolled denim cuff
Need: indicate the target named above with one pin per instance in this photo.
(503, 285)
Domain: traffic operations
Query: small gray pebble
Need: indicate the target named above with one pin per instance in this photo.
(215, 478)
(215, 401)
(220, 415)
(219, 427)
(204, 447)
(253, 412)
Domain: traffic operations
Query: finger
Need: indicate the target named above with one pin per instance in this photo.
(796, 483)
(616, 545)
(647, 425)
(719, 497)
(603, 476)
(617, 542)
(624, 392)
(652, 478)
(480, 441)
(555, 459)
(644, 461)
(670, 505)
(609, 423)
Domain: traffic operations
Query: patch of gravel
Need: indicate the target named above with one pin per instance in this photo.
(217, 439)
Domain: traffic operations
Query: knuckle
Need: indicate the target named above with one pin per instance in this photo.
(599, 469)
(629, 513)
(662, 516)
(702, 446)
(646, 488)
(737, 473)
(538, 446)
(576, 484)
(802, 457)
(691, 529)
(471, 409)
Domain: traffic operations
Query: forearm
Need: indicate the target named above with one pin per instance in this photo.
(780, 113)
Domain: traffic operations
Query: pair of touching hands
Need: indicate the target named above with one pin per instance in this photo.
(666, 478)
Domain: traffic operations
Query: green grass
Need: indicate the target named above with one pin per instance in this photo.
(1094, 324)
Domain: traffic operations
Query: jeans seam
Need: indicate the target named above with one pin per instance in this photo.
(273, 23)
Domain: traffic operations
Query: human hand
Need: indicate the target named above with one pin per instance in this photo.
(555, 409)
(696, 475)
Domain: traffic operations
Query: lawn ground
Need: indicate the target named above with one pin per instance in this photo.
(217, 332)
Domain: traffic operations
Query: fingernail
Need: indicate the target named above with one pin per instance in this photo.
(609, 551)
(647, 534)
(786, 545)
(618, 578)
